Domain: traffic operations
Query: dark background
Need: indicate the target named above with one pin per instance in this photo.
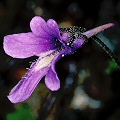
(90, 81)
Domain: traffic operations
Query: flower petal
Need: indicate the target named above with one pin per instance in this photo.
(40, 28)
(54, 27)
(26, 86)
(51, 80)
(25, 45)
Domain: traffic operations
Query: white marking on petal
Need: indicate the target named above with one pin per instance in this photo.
(46, 53)
(44, 62)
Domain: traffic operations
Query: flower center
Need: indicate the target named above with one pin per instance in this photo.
(57, 43)
(72, 34)
(74, 37)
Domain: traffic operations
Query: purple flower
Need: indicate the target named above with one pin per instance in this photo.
(49, 43)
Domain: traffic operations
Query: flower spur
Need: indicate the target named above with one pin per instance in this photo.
(50, 43)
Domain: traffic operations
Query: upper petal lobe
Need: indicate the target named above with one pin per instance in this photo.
(40, 28)
(54, 28)
(25, 45)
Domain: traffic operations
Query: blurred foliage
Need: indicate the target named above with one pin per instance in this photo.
(112, 66)
(22, 113)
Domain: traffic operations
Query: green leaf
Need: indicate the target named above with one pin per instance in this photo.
(23, 113)
(112, 66)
